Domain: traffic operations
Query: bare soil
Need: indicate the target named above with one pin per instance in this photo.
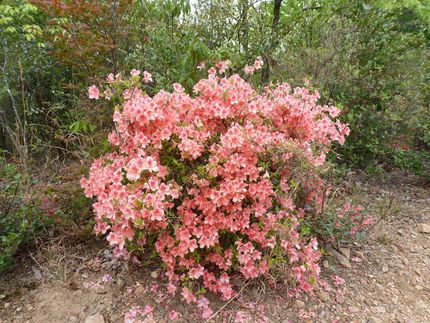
(389, 278)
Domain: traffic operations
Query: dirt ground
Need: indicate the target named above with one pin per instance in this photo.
(64, 279)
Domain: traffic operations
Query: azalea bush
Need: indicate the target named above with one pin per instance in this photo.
(217, 183)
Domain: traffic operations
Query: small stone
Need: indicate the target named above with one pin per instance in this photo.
(346, 252)
(381, 309)
(405, 261)
(299, 304)
(353, 309)
(18, 309)
(84, 275)
(36, 272)
(424, 228)
(77, 292)
(120, 283)
(384, 268)
(374, 320)
(154, 274)
(140, 289)
(324, 296)
(29, 307)
(341, 259)
(359, 254)
(73, 319)
(254, 292)
(96, 318)
(325, 264)
(102, 290)
(6, 305)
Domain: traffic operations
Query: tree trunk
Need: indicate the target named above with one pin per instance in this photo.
(265, 73)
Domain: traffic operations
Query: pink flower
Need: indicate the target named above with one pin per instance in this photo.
(178, 87)
(107, 278)
(212, 71)
(147, 77)
(189, 296)
(93, 92)
(203, 304)
(107, 94)
(155, 287)
(249, 70)
(338, 280)
(171, 288)
(110, 78)
(195, 273)
(258, 64)
(207, 313)
(148, 309)
(223, 65)
(135, 72)
(241, 317)
(173, 315)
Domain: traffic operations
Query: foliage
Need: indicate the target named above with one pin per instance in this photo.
(217, 182)
(368, 58)
(84, 35)
(417, 162)
(21, 217)
(34, 117)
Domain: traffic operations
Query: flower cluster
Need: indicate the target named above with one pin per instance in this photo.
(208, 180)
(140, 314)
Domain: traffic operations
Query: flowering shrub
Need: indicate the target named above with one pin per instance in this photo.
(214, 182)
(337, 220)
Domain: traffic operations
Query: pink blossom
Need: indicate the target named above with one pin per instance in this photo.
(147, 77)
(107, 278)
(203, 305)
(338, 280)
(154, 287)
(110, 78)
(223, 65)
(241, 317)
(173, 315)
(249, 69)
(189, 296)
(134, 72)
(137, 313)
(195, 273)
(258, 64)
(93, 92)
(148, 309)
